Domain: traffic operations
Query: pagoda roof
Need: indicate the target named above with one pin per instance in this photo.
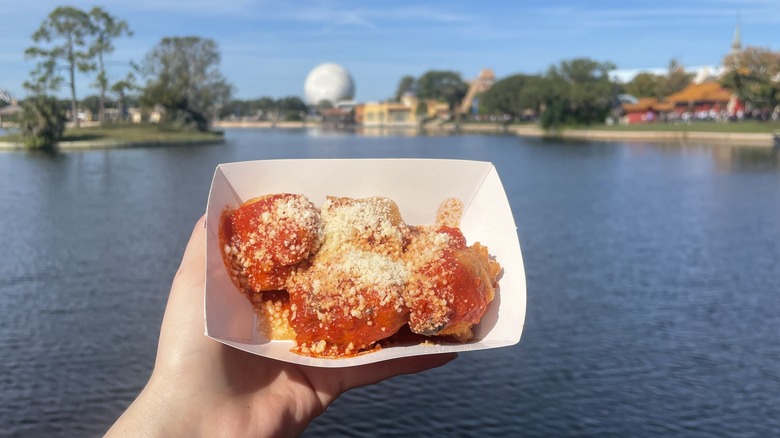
(707, 91)
(648, 104)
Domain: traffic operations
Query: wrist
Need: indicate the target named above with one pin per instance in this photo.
(165, 408)
(148, 415)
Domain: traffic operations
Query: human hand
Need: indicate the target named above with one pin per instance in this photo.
(202, 387)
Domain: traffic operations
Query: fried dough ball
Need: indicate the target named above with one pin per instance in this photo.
(349, 296)
(340, 280)
(273, 311)
(344, 305)
(370, 224)
(270, 235)
(450, 284)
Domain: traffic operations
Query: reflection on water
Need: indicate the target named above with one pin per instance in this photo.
(726, 157)
(379, 131)
(391, 131)
(747, 158)
(652, 287)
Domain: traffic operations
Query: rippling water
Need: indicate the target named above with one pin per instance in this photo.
(653, 279)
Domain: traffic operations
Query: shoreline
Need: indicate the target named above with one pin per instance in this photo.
(751, 139)
(86, 145)
(763, 139)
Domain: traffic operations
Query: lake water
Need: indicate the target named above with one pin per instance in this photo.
(653, 288)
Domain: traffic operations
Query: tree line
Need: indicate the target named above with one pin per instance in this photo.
(181, 74)
(441, 85)
(73, 40)
(290, 108)
(581, 92)
(754, 75)
(576, 91)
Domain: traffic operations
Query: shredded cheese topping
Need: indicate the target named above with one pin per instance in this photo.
(355, 272)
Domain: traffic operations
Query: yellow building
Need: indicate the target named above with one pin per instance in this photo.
(403, 113)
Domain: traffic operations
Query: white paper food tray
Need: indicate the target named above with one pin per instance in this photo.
(418, 186)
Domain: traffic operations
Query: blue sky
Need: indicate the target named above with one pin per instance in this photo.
(268, 47)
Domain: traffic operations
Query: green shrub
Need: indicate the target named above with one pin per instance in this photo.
(42, 122)
(186, 120)
(553, 115)
(293, 116)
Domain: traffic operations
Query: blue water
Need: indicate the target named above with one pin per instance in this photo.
(653, 278)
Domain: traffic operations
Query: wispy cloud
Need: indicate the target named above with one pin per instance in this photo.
(709, 13)
(326, 16)
(351, 13)
(346, 15)
(232, 8)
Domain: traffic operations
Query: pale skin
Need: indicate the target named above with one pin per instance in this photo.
(200, 387)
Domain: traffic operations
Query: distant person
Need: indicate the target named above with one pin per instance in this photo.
(200, 387)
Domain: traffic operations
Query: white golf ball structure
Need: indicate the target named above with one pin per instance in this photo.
(330, 82)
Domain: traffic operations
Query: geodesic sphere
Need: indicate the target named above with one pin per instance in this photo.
(330, 82)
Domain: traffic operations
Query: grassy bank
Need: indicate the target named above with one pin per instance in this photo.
(732, 127)
(130, 134)
(736, 133)
(745, 127)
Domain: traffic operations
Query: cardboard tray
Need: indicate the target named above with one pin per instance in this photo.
(418, 186)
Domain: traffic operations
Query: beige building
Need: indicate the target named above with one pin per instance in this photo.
(138, 115)
(403, 113)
